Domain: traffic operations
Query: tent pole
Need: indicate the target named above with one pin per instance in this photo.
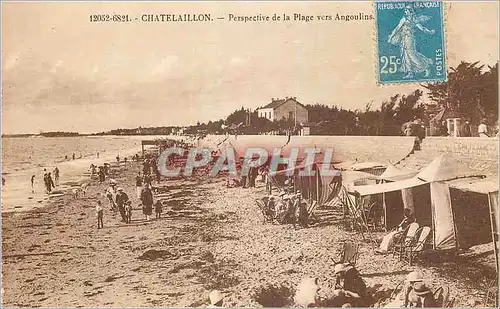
(494, 231)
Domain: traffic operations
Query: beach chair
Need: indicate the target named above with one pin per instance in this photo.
(491, 299)
(405, 240)
(263, 206)
(310, 210)
(414, 248)
(373, 215)
(442, 297)
(349, 254)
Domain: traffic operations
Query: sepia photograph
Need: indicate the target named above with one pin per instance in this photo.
(250, 154)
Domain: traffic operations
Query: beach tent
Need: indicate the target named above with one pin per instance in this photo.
(375, 168)
(467, 190)
(430, 200)
(393, 173)
(318, 187)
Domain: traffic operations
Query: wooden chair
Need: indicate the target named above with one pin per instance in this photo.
(266, 212)
(442, 297)
(414, 248)
(349, 254)
(405, 239)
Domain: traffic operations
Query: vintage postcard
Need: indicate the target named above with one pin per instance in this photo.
(250, 154)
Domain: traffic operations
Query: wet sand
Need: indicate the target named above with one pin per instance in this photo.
(209, 237)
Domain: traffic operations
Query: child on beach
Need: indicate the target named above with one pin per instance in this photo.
(100, 215)
(158, 209)
(128, 211)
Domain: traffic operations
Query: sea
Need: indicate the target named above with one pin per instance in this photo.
(23, 157)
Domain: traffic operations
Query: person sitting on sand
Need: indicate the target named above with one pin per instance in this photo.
(393, 236)
(350, 289)
(281, 207)
(121, 200)
(216, 299)
(147, 201)
(416, 293)
(100, 214)
(111, 194)
(158, 209)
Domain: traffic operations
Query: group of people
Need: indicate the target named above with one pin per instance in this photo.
(288, 206)
(149, 167)
(102, 173)
(347, 289)
(466, 130)
(120, 201)
(48, 182)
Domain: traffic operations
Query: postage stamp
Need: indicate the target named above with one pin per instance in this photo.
(410, 41)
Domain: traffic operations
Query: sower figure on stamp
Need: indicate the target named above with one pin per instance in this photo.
(404, 36)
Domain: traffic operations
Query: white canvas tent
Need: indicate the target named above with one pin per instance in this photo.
(392, 173)
(487, 187)
(433, 206)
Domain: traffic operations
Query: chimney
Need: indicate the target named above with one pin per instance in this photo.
(295, 98)
(272, 99)
(287, 98)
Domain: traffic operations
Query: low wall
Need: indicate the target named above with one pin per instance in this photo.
(346, 148)
(477, 153)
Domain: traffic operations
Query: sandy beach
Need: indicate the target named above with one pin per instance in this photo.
(209, 237)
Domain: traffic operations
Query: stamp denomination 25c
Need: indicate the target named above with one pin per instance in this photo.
(410, 41)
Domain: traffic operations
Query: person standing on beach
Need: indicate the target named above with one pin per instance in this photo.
(146, 168)
(56, 175)
(111, 194)
(73, 156)
(33, 184)
(100, 214)
(154, 166)
(147, 180)
(98, 155)
(49, 183)
(102, 176)
(147, 201)
(138, 184)
(121, 200)
(158, 209)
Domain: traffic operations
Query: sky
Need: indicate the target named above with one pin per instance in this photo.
(61, 72)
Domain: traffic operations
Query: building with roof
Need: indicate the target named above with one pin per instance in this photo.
(288, 108)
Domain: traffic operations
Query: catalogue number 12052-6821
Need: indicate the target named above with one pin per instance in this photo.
(94, 18)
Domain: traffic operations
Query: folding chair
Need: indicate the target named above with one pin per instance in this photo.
(442, 297)
(310, 211)
(405, 240)
(349, 254)
(414, 248)
(262, 204)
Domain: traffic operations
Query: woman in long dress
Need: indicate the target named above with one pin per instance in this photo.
(404, 36)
